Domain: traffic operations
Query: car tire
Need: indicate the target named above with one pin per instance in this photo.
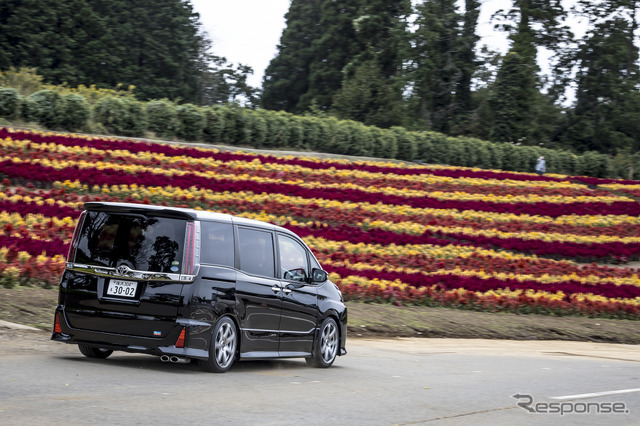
(93, 352)
(223, 347)
(326, 348)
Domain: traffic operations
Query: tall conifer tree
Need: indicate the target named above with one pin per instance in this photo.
(607, 107)
(286, 78)
(530, 24)
(372, 86)
(443, 62)
(151, 44)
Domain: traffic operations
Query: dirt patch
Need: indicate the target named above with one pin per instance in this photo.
(371, 320)
(34, 307)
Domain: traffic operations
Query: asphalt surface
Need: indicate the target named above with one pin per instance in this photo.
(379, 382)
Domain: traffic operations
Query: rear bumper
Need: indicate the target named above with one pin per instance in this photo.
(195, 332)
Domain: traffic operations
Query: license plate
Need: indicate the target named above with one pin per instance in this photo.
(122, 288)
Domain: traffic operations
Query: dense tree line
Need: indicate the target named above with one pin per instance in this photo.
(155, 45)
(388, 63)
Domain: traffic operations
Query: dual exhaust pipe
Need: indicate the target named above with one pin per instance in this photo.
(175, 359)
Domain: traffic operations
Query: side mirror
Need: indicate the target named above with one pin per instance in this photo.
(319, 276)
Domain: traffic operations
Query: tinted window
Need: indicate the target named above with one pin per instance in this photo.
(293, 259)
(217, 243)
(142, 243)
(256, 252)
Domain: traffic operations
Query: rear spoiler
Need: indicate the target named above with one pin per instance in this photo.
(162, 211)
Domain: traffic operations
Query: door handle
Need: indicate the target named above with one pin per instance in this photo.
(276, 289)
(286, 290)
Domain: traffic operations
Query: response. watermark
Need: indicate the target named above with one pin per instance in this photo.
(527, 402)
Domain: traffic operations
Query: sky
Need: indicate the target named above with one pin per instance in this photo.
(248, 31)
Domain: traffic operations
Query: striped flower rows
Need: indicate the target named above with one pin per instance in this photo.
(431, 235)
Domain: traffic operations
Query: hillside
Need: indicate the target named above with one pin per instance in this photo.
(416, 238)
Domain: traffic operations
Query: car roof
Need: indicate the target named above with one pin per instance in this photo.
(179, 213)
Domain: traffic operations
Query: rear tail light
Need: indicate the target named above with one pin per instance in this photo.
(56, 324)
(180, 341)
(74, 242)
(190, 249)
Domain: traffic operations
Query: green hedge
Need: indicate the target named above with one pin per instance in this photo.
(76, 113)
(162, 118)
(234, 125)
(45, 107)
(9, 103)
(120, 116)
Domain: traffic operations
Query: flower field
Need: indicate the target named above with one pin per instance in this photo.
(388, 232)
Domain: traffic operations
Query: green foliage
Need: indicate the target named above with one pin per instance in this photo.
(229, 132)
(328, 134)
(120, 116)
(282, 88)
(311, 131)
(278, 131)
(483, 155)
(25, 80)
(371, 90)
(47, 108)
(561, 161)
(258, 129)
(510, 100)
(135, 120)
(349, 139)
(9, 103)
(191, 122)
(214, 124)
(76, 112)
(437, 71)
(423, 146)
(385, 143)
(407, 145)
(605, 118)
(496, 155)
(592, 163)
(244, 126)
(439, 153)
(296, 133)
(162, 118)
(151, 45)
(367, 97)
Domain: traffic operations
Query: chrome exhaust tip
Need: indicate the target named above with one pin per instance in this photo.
(165, 358)
(180, 360)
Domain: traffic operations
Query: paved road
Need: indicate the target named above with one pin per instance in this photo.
(380, 382)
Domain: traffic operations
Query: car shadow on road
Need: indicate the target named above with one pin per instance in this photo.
(149, 362)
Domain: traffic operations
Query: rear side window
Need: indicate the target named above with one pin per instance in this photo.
(256, 252)
(140, 242)
(217, 243)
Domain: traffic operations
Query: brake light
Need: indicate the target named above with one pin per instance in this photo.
(56, 324)
(190, 249)
(180, 341)
(71, 255)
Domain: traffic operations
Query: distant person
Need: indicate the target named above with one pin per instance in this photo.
(541, 166)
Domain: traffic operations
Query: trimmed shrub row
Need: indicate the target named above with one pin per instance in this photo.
(234, 125)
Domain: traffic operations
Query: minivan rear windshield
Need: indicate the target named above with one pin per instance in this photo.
(143, 243)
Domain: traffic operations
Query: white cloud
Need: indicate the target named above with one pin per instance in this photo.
(244, 31)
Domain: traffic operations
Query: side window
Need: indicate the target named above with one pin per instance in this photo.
(256, 252)
(293, 259)
(217, 243)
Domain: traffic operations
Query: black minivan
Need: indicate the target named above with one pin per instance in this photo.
(190, 284)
